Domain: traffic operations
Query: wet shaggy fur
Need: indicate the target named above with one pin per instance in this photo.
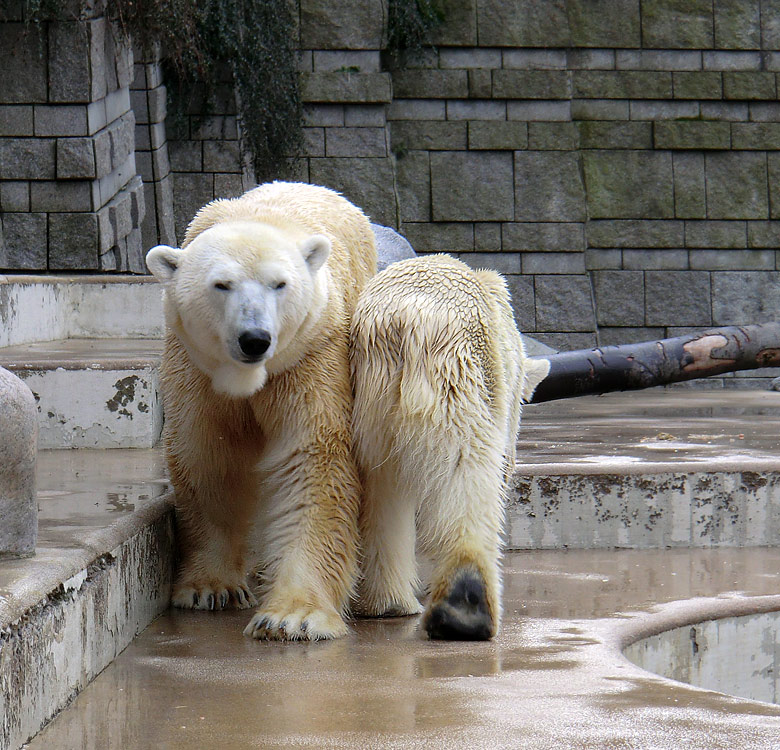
(440, 375)
(279, 458)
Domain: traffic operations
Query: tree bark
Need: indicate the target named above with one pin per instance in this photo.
(650, 363)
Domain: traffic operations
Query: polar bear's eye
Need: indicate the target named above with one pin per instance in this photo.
(223, 286)
(280, 285)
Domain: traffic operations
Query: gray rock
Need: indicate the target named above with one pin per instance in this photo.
(390, 246)
(18, 451)
(775, 384)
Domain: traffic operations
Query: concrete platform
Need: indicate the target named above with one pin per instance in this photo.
(554, 678)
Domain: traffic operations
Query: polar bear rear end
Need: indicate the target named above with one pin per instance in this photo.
(439, 375)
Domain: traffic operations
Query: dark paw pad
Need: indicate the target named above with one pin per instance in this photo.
(463, 615)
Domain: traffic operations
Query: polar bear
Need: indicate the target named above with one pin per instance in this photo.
(257, 397)
(440, 376)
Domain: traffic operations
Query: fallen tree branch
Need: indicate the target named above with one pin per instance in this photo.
(650, 363)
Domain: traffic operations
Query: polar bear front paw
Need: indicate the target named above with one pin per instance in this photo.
(303, 623)
(213, 597)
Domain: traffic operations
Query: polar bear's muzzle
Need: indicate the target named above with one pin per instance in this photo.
(254, 343)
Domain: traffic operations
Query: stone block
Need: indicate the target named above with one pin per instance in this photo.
(737, 24)
(313, 142)
(677, 24)
(759, 136)
(648, 259)
(604, 23)
(504, 263)
(692, 135)
(614, 135)
(228, 185)
(760, 233)
(589, 59)
(552, 136)
(563, 303)
(629, 184)
(222, 156)
(366, 182)
(553, 263)
(650, 110)
(620, 298)
(599, 109)
(471, 186)
(480, 84)
(359, 61)
(487, 236)
(413, 178)
(657, 59)
(24, 78)
(460, 24)
(770, 24)
(69, 62)
(323, 115)
(122, 137)
(715, 60)
(546, 111)
(430, 84)
(567, 341)
(432, 136)
(597, 259)
(452, 237)
(73, 242)
(161, 165)
(324, 25)
(16, 120)
(531, 84)
(703, 84)
(72, 195)
(677, 298)
(524, 23)
(736, 185)
(225, 127)
(622, 84)
(364, 115)
(18, 453)
(346, 87)
(732, 260)
(190, 193)
(28, 158)
(102, 147)
(543, 236)
(548, 187)
(476, 110)
(629, 335)
(773, 164)
(759, 84)
(521, 290)
(24, 246)
(471, 57)
(75, 158)
(120, 214)
(729, 111)
(745, 297)
(715, 234)
(140, 106)
(636, 233)
(60, 120)
(689, 185)
(497, 135)
(14, 196)
(764, 111)
(416, 109)
(355, 142)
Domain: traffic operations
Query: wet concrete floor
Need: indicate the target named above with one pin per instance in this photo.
(554, 678)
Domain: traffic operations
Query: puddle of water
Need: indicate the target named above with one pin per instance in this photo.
(738, 656)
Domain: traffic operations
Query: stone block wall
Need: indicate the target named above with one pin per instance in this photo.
(70, 196)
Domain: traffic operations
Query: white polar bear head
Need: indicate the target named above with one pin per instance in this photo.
(241, 296)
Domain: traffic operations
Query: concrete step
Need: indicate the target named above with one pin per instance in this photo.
(92, 392)
(47, 308)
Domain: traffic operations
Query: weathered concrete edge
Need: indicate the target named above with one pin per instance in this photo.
(622, 468)
(62, 641)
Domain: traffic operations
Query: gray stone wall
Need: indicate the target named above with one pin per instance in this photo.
(70, 196)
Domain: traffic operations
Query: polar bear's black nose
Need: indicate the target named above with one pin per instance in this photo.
(254, 342)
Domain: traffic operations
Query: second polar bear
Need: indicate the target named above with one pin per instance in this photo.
(440, 376)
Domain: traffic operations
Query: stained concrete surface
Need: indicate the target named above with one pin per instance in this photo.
(554, 678)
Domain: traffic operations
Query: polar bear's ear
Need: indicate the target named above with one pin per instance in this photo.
(162, 261)
(315, 251)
